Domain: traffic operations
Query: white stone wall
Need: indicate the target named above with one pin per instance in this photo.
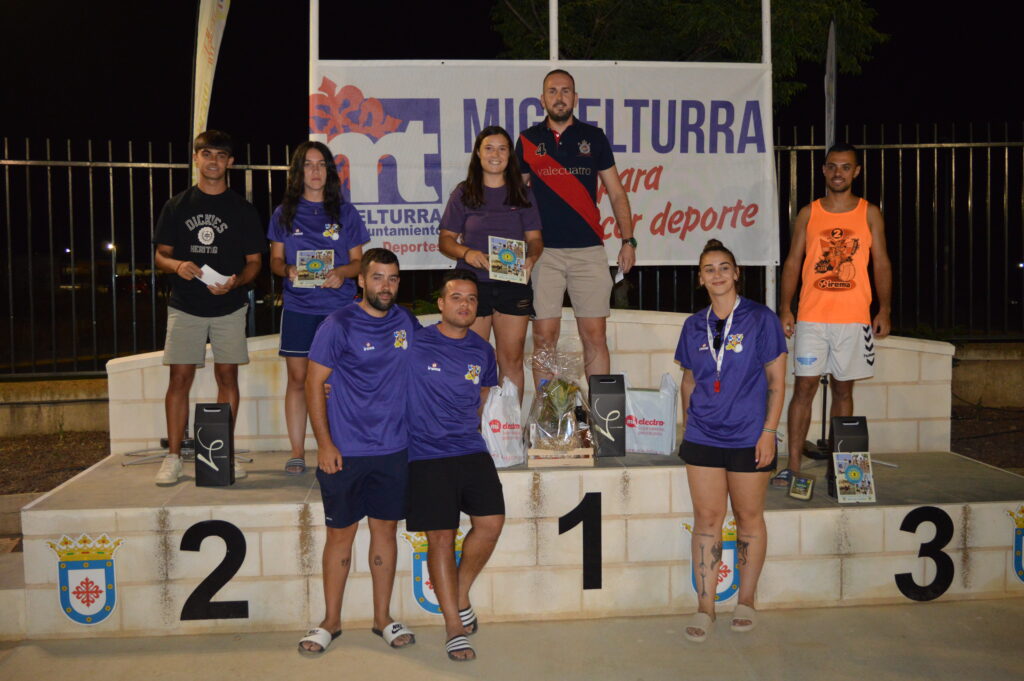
(816, 557)
(907, 403)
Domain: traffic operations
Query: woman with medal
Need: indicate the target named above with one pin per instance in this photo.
(494, 201)
(316, 228)
(733, 355)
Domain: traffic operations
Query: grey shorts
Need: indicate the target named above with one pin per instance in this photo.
(187, 335)
(583, 272)
(847, 351)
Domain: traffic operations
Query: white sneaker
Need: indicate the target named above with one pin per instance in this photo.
(170, 471)
(239, 472)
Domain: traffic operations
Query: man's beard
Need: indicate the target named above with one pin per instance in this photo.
(376, 303)
(559, 118)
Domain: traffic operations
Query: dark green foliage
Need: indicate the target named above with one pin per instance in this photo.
(693, 30)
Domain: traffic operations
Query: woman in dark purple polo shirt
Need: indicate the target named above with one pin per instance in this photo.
(494, 202)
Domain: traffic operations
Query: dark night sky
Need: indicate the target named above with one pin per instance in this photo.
(122, 70)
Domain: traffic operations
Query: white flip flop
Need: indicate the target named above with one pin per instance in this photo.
(743, 612)
(319, 636)
(702, 622)
(393, 631)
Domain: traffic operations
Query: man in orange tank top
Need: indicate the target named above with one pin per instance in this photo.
(833, 240)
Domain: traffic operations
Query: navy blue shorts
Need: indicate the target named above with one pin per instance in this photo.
(374, 486)
(297, 331)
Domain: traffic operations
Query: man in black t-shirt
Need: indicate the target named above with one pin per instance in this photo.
(211, 241)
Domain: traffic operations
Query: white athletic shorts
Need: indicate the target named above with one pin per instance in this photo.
(847, 351)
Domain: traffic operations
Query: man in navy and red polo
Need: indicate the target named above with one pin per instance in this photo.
(565, 157)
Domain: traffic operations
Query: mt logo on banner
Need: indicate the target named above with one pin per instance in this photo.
(388, 151)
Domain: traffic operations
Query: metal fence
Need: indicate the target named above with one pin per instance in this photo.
(953, 201)
(81, 285)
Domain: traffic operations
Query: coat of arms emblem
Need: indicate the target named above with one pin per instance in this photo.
(85, 576)
(422, 588)
(1018, 542)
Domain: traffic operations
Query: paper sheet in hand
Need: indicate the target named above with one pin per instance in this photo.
(507, 259)
(212, 277)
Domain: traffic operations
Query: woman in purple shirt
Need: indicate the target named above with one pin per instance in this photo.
(733, 355)
(493, 202)
(314, 226)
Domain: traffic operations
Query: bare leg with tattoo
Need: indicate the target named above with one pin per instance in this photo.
(336, 563)
(747, 492)
(709, 490)
(383, 557)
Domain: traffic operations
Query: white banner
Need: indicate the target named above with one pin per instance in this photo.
(692, 142)
(213, 15)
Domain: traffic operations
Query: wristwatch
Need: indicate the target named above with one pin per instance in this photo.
(631, 241)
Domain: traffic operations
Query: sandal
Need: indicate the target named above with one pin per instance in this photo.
(393, 631)
(297, 463)
(702, 622)
(783, 478)
(457, 644)
(469, 620)
(320, 637)
(743, 613)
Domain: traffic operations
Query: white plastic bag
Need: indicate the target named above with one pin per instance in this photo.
(651, 418)
(502, 427)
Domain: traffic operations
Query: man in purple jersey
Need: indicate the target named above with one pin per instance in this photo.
(450, 471)
(355, 389)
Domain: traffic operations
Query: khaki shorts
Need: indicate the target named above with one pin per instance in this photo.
(847, 351)
(583, 271)
(187, 335)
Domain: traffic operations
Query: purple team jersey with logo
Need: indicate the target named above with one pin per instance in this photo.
(445, 377)
(494, 218)
(368, 356)
(312, 229)
(733, 417)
